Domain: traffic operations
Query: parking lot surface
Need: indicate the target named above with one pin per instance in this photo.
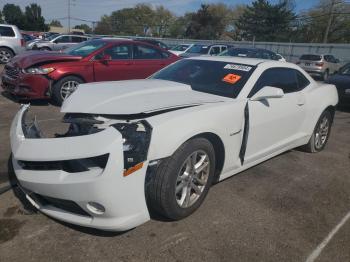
(290, 208)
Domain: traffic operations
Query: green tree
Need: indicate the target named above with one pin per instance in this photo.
(13, 15)
(205, 24)
(313, 24)
(104, 26)
(1, 18)
(34, 20)
(87, 29)
(56, 23)
(264, 21)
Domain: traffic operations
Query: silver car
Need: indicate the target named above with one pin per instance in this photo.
(11, 42)
(57, 42)
(319, 65)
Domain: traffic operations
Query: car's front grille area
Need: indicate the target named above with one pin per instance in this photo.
(12, 72)
(70, 166)
(66, 205)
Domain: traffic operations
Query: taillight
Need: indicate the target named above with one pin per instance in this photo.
(319, 64)
(22, 42)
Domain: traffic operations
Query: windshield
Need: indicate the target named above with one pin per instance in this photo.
(345, 70)
(85, 48)
(180, 48)
(198, 49)
(311, 57)
(49, 38)
(213, 77)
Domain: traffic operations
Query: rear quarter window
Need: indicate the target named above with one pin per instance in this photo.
(311, 57)
(6, 31)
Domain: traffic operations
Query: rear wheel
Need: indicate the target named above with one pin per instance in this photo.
(44, 48)
(64, 87)
(5, 55)
(321, 133)
(181, 182)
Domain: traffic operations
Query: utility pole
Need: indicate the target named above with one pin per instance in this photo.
(68, 16)
(330, 18)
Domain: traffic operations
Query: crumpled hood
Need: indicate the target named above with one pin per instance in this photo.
(29, 58)
(134, 97)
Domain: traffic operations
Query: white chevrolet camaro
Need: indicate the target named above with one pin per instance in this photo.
(157, 145)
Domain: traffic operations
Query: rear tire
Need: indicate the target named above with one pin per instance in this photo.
(180, 184)
(64, 87)
(321, 133)
(44, 48)
(5, 55)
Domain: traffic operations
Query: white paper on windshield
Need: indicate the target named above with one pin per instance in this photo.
(238, 67)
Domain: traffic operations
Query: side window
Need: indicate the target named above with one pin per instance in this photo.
(284, 78)
(302, 81)
(63, 39)
(118, 52)
(6, 31)
(214, 50)
(327, 58)
(78, 39)
(146, 52)
(223, 48)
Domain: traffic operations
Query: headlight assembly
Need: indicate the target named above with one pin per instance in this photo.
(38, 70)
(136, 140)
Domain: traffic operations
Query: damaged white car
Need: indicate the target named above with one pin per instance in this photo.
(157, 145)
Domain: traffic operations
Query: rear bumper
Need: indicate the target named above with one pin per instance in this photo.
(25, 85)
(122, 197)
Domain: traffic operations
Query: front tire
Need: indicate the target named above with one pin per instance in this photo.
(64, 87)
(5, 55)
(181, 182)
(321, 133)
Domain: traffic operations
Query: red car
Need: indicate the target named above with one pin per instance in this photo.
(42, 74)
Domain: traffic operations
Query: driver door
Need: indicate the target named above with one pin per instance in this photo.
(119, 66)
(275, 123)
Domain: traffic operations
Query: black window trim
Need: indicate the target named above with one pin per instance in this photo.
(253, 92)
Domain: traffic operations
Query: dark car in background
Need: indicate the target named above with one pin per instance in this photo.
(251, 53)
(342, 81)
(203, 49)
(42, 74)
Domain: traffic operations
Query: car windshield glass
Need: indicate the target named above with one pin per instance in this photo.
(198, 49)
(51, 37)
(214, 77)
(180, 48)
(238, 52)
(85, 48)
(310, 57)
(345, 70)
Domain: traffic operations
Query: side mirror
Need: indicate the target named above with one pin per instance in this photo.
(105, 58)
(267, 92)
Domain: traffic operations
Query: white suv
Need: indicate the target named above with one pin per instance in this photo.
(11, 42)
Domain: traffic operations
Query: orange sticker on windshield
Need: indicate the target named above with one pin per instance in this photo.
(231, 78)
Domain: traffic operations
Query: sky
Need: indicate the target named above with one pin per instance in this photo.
(92, 10)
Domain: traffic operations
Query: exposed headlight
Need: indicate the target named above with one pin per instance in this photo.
(38, 70)
(136, 140)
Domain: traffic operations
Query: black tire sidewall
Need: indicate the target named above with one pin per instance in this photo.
(171, 207)
(330, 120)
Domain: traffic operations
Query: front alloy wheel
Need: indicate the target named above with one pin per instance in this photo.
(192, 179)
(68, 88)
(181, 182)
(5, 55)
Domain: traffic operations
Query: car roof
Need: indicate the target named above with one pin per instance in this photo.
(231, 59)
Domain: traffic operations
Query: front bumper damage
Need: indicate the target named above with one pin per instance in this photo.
(43, 167)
